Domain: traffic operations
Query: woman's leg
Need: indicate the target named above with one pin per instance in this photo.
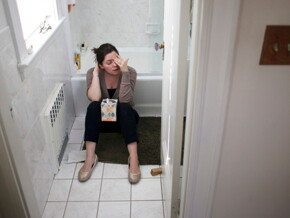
(128, 119)
(92, 130)
(134, 163)
(90, 156)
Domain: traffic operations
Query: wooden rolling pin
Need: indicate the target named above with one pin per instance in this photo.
(156, 171)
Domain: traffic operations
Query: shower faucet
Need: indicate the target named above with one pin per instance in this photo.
(158, 46)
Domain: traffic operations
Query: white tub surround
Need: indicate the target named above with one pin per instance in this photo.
(145, 60)
(98, 27)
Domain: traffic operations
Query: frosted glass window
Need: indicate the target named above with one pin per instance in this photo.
(37, 17)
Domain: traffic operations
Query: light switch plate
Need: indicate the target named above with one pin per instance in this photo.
(276, 46)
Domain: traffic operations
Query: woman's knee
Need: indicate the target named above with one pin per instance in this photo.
(127, 113)
(94, 110)
(94, 106)
(124, 109)
(124, 106)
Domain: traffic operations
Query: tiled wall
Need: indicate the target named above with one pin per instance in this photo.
(122, 23)
(3, 21)
(75, 26)
(27, 98)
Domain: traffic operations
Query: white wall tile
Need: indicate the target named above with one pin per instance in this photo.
(8, 63)
(38, 160)
(75, 27)
(21, 114)
(3, 21)
(119, 22)
(34, 92)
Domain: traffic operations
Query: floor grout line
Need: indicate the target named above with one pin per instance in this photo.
(101, 186)
(131, 200)
(162, 197)
(100, 190)
(69, 190)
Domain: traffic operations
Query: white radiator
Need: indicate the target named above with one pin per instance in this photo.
(55, 124)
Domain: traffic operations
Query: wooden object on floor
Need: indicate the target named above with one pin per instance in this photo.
(156, 171)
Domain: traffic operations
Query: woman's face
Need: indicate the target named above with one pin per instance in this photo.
(109, 64)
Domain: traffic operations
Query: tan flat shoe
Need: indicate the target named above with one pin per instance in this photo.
(133, 177)
(83, 176)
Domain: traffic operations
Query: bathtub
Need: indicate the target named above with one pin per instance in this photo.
(148, 64)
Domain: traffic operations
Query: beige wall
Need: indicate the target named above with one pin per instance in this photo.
(254, 172)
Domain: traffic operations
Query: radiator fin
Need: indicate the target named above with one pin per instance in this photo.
(55, 124)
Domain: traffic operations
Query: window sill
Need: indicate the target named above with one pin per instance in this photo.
(30, 59)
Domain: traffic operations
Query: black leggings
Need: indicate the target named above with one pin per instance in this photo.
(127, 119)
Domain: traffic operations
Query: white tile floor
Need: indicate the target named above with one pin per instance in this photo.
(108, 194)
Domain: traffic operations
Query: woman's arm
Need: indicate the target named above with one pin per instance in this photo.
(94, 90)
(128, 81)
(127, 86)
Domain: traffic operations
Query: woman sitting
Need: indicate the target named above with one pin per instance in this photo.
(111, 78)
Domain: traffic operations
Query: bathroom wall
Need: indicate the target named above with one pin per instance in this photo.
(123, 23)
(27, 98)
(3, 21)
(75, 25)
(253, 177)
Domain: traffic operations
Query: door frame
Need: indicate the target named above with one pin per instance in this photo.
(175, 67)
(214, 28)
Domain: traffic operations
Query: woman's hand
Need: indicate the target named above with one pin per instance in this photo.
(122, 63)
(94, 91)
(96, 70)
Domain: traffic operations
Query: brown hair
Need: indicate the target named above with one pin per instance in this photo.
(102, 51)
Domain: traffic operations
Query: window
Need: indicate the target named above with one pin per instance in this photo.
(37, 17)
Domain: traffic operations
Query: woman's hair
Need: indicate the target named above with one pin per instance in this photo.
(102, 51)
